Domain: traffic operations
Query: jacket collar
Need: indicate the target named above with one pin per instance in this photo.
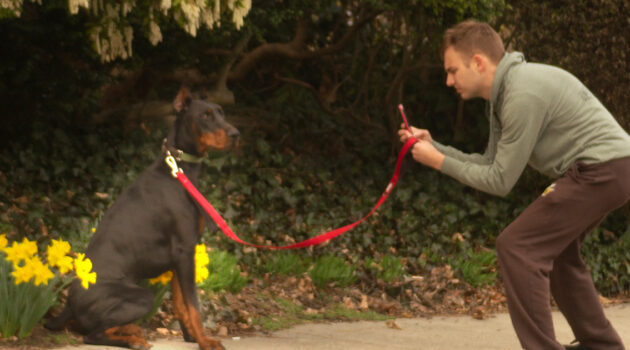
(509, 59)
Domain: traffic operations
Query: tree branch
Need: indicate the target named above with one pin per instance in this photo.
(296, 48)
(320, 101)
(220, 93)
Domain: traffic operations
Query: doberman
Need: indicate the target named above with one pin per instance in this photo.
(153, 227)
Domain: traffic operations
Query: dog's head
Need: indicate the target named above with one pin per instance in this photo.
(201, 125)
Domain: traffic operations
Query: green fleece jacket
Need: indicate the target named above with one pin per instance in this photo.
(542, 116)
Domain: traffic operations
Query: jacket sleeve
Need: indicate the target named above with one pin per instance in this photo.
(461, 156)
(522, 118)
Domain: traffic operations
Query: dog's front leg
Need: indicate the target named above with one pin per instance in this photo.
(186, 309)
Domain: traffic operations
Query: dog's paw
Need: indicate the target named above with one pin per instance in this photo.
(212, 344)
(139, 343)
(140, 346)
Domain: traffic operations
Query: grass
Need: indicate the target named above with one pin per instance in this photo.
(332, 270)
(286, 263)
(62, 339)
(293, 314)
(477, 268)
(225, 273)
(339, 312)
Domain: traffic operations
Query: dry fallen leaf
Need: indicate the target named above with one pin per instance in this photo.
(310, 311)
(223, 331)
(392, 324)
(348, 303)
(479, 313)
(604, 300)
(363, 305)
(101, 195)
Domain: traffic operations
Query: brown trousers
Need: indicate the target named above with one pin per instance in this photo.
(540, 252)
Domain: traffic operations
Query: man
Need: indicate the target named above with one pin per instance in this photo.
(542, 116)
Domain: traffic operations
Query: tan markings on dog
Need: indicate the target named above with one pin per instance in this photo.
(179, 307)
(130, 334)
(216, 140)
(191, 318)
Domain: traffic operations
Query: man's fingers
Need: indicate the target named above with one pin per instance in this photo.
(403, 134)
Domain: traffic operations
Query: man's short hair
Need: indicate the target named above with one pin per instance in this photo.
(472, 37)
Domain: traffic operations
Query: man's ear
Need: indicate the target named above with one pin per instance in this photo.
(480, 62)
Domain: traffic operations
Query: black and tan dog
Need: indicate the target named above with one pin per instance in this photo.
(151, 228)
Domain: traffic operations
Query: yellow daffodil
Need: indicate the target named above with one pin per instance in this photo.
(82, 267)
(201, 263)
(201, 270)
(23, 273)
(163, 278)
(19, 252)
(29, 247)
(57, 256)
(201, 255)
(81, 263)
(3, 241)
(14, 254)
(64, 264)
(41, 272)
(201, 274)
(87, 278)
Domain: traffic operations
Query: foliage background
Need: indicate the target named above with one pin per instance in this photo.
(315, 85)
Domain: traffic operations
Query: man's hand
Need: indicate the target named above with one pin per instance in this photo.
(424, 152)
(420, 134)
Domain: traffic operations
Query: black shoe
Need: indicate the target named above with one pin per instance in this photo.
(577, 347)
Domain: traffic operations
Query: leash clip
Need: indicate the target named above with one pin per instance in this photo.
(171, 162)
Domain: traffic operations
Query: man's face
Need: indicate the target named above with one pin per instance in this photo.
(463, 76)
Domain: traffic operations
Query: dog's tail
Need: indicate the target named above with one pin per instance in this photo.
(59, 323)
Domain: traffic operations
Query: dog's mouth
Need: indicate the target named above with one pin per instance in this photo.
(217, 140)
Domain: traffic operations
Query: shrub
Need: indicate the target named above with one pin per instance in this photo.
(277, 192)
(608, 259)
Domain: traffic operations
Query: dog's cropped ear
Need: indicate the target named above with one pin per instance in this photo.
(182, 100)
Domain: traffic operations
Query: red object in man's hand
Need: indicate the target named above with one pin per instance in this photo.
(404, 117)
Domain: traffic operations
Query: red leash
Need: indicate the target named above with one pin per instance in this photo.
(179, 174)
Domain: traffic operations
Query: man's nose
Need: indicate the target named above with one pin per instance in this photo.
(449, 80)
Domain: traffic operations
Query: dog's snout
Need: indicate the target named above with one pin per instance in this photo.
(233, 133)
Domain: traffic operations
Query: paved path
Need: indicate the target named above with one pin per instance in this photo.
(438, 333)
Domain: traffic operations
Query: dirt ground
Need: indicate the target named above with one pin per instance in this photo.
(436, 333)
(435, 311)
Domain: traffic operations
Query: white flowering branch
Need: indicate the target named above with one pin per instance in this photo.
(112, 35)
